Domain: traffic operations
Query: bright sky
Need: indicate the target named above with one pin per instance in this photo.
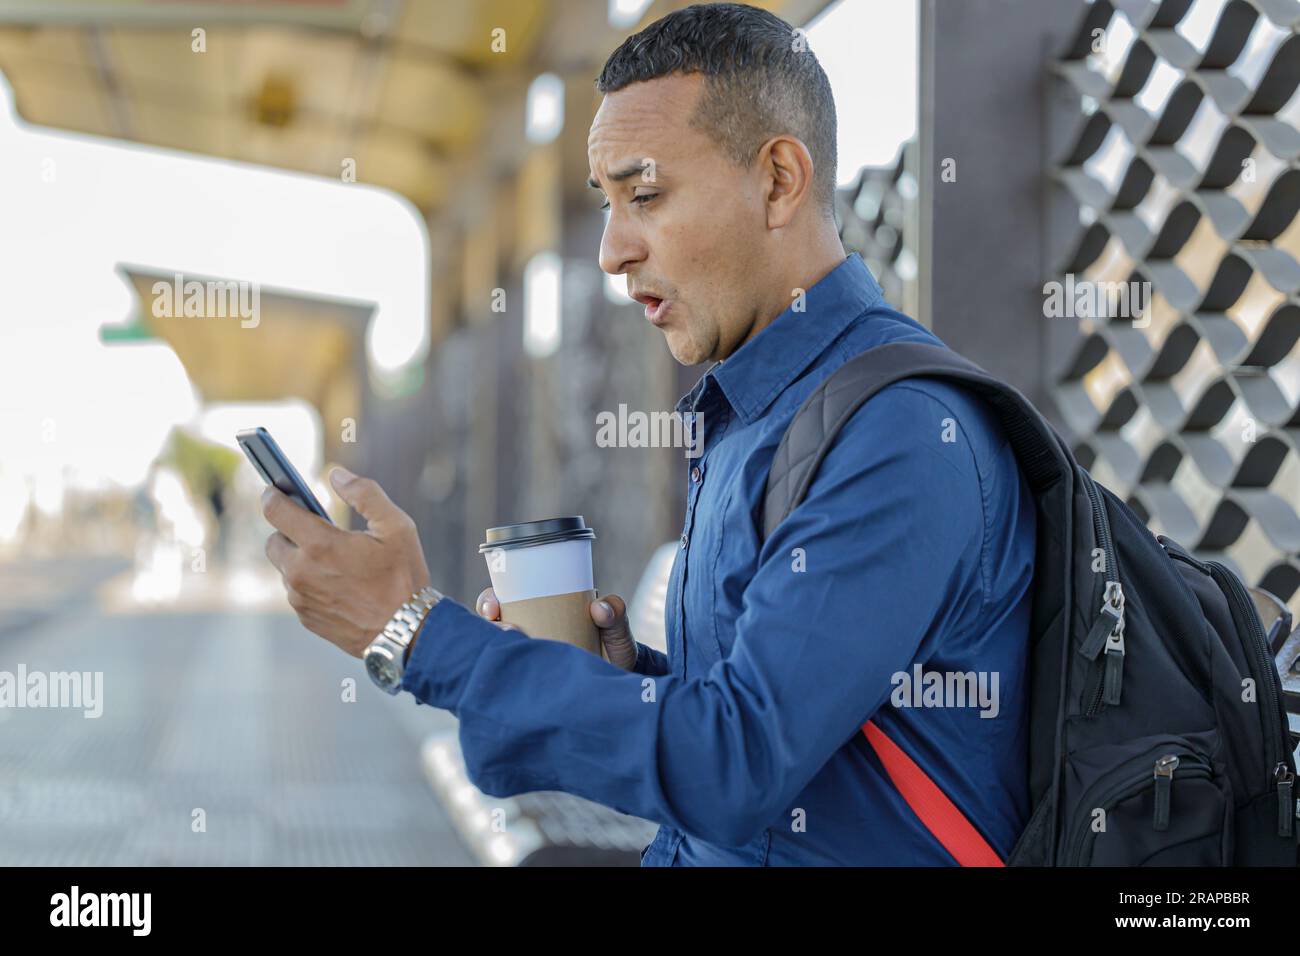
(868, 49)
(75, 207)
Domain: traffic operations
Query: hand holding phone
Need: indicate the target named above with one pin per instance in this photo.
(277, 470)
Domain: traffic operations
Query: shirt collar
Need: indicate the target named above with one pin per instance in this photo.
(756, 373)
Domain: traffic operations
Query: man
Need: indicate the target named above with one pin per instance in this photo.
(714, 147)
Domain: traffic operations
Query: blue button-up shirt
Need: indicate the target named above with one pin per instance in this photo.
(908, 564)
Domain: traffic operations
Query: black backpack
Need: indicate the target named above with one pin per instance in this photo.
(1157, 730)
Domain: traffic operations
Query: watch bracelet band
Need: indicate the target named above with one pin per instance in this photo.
(406, 620)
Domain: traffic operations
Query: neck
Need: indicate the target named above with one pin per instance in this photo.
(820, 255)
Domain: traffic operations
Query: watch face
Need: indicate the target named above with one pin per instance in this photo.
(382, 667)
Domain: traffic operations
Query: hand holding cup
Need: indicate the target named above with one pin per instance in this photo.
(543, 580)
(609, 614)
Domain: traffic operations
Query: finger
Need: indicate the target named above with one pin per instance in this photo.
(311, 622)
(298, 602)
(298, 524)
(368, 498)
(280, 551)
(609, 613)
(487, 605)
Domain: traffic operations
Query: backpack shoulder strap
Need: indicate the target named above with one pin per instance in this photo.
(1043, 456)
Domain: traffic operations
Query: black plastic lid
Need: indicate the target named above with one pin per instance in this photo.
(530, 533)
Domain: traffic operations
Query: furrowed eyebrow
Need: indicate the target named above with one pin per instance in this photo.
(622, 174)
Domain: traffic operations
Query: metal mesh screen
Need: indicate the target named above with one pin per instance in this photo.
(1176, 300)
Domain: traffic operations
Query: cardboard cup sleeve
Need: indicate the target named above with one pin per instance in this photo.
(557, 617)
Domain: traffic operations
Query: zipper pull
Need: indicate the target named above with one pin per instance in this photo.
(1164, 775)
(1286, 809)
(1106, 622)
(1114, 679)
(1110, 618)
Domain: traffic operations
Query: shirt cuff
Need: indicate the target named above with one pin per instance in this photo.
(447, 646)
(649, 661)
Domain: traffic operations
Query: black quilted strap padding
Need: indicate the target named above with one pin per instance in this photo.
(1044, 457)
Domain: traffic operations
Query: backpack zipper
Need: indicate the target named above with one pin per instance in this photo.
(1178, 553)
(1161, 773)
(1107, 631)
(1286, 808)
(1265, 673)
(1164, 777)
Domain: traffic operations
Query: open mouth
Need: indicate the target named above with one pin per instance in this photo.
(655, 308)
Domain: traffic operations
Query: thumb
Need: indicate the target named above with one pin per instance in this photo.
(610, 616)
(369, 500)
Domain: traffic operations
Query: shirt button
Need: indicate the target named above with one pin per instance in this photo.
(695, 473)
(684, 540)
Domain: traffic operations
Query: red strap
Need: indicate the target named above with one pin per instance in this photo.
(939, 814)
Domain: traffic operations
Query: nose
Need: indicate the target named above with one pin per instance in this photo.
(621, 245)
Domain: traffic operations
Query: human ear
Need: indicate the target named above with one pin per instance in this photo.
(788, 178)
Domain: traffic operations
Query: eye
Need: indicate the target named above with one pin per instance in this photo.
(640, 200)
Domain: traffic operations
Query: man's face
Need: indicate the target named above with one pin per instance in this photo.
(687, 227)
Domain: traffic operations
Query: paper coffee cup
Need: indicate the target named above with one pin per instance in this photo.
(541, 573)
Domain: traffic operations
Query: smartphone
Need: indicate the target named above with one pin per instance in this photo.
(272, 464)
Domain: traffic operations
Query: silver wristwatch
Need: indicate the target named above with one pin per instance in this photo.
(386, 656)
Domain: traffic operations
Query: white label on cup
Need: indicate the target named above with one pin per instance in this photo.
(560, 567)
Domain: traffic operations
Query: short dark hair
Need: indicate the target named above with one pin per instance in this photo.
(759, 82)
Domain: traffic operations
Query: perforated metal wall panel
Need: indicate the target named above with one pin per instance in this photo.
(1180, 162)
